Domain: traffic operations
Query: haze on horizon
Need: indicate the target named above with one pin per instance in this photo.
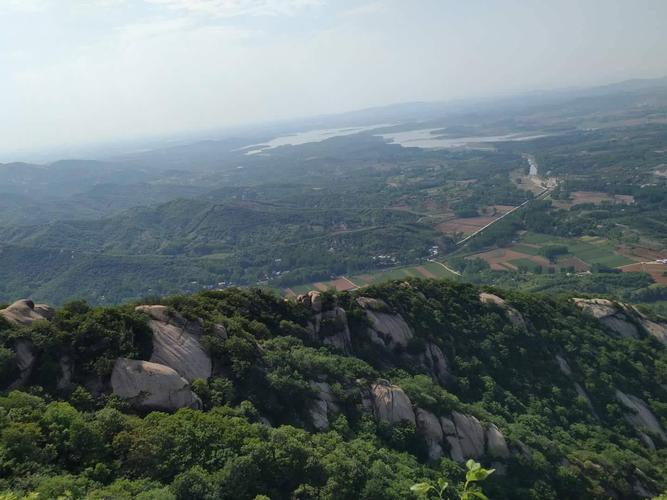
(86, 71)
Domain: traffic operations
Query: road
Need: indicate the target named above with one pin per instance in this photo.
(539, 196)
(446, 267)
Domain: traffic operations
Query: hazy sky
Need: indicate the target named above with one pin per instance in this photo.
(77, 71)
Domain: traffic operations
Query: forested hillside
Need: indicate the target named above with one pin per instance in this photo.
(241, 394)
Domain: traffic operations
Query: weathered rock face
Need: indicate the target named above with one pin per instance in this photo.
(25, 362)
(151, 386)
(467, 438)
(387, 330)
(324, 405)
(176, 343)
(312, 299)
(331, 328)
(449, 431)
(470, 433)
(66, 371)
(495, 443)
(658, 330)
(26, 312)
(640, 416)
(512, 314)
(616, 317)
(428, 425)
(563, 365)
(391, 404)
(391, 332)
(623, 319)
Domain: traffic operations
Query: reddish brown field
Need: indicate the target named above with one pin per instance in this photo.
(425, 272)
(655, 270)
(469, 225)
(321, 287)
(642, 253)
(464, 225)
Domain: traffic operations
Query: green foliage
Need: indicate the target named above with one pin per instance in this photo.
(470, 490)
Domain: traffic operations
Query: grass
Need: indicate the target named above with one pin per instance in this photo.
(590, 249)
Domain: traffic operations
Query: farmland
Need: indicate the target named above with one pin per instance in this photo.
(582, 253)
(428, 269)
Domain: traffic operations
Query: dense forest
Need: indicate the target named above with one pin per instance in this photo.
(241, 394)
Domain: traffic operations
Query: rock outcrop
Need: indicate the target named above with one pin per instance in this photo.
(615, 316)
(330, 328)
(428, 425)
(563, 365)
(386, 329)
(324, 405)
(25, 362)
(312, 299)
(435, 362)
(470, 434)
(623, 319)
(390, 331)
(512, 314)
(176, 343)
(26, 312)
(391, 404)
(641, 417)
(465, 436)
(496, 445)
(151, 386)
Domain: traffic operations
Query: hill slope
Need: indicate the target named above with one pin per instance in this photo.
(333, 396)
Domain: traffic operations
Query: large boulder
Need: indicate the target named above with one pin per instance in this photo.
(151, 386)
(640, 416)
(615, 316)
(624, 319)
(386, 329)
(25, 359)
(511, 313)
(563, 365)
(312, 299)
(470, 433)
(26, 312)
(176, 343)
(658, 330)
(496, 446)
(468, 438)
(428, 425)
(391, 404)
(330, 328)
(324, 405)
(435, 362)
(452, 438)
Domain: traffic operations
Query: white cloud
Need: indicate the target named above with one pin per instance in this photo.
(234, 8)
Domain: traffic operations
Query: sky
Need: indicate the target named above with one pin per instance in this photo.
(87, 71)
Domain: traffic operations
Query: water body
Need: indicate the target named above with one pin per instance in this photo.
(429, 139)
(307, 137)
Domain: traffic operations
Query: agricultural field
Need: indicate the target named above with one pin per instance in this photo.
(594, 197)
(526, 253)
(429, 269)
